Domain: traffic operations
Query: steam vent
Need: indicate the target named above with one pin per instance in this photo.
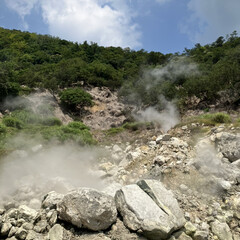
(110, 143)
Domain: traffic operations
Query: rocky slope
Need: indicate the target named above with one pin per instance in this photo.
(151, 185)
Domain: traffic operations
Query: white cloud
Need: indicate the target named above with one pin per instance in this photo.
(22, 7)
(211, 19)
(106, 22)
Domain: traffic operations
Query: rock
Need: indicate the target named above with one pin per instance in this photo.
(182, 236)
(51, 200)
(52, 217)
(27, 226)
(41, 226)
(56, 233)
(165, 137)
(12, 231)
(32, 235)
(12, 238)
(159, 160)
(229, 145)
(6, 227)
(88, 208)
(200, 235)
(140, 211)
(221, 230)
(190, 229)
(120, 232)
(164, 199)
(21, 233)
(27, 213)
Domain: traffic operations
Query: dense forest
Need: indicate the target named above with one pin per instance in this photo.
(29, 60)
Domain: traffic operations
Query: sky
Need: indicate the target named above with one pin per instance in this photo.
(166, 26)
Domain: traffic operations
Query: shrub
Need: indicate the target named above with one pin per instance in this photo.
(13, 122)
(221, 118)
(74, 97)
(3, 128)
(27, 117)
(114, 131)
(51, 121)
(66, 133)
(78, 125)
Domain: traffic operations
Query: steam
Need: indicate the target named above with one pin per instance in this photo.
(177, 68)
(40, 102)
(214, 176)
(167, 118)
(34, 169)
(59, 168)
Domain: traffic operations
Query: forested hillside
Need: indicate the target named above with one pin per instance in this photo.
(29, 60)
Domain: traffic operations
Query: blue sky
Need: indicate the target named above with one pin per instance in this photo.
(154, 25)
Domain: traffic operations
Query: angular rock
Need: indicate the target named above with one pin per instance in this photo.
(221, 230)
(165, 200)
(190, 229)
(88, 208)
(183, 236)
(6, 227)
(200, 235)
(229, 145)
(32, 235)
(28, 214)
(56, 233)
(51, 200)
(21, 233)
(146, 211)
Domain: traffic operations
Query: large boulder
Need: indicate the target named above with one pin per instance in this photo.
(150, 208)
(164, 199)
(88, 208)
(229, 145)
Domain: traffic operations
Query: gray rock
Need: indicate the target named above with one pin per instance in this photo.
(190, 229)
(41, 226)
(56, 233)
(221, 230)
(229, 145)
(32, 235)
(12, 231)
(140, 211)
(21, 233)
(183, 236)
(28, 214)
(88, 208)
(200, 235)
(165, 200)
(12, 238)
(6, 227)
(52, 217)
(51, 200)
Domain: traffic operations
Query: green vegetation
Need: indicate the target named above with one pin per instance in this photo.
(24, 127)
(29, 60)
(208, 119)
(12, 122)
(131, 126)
(72, 98)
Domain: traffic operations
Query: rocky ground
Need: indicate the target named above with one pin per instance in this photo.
(180, 185)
